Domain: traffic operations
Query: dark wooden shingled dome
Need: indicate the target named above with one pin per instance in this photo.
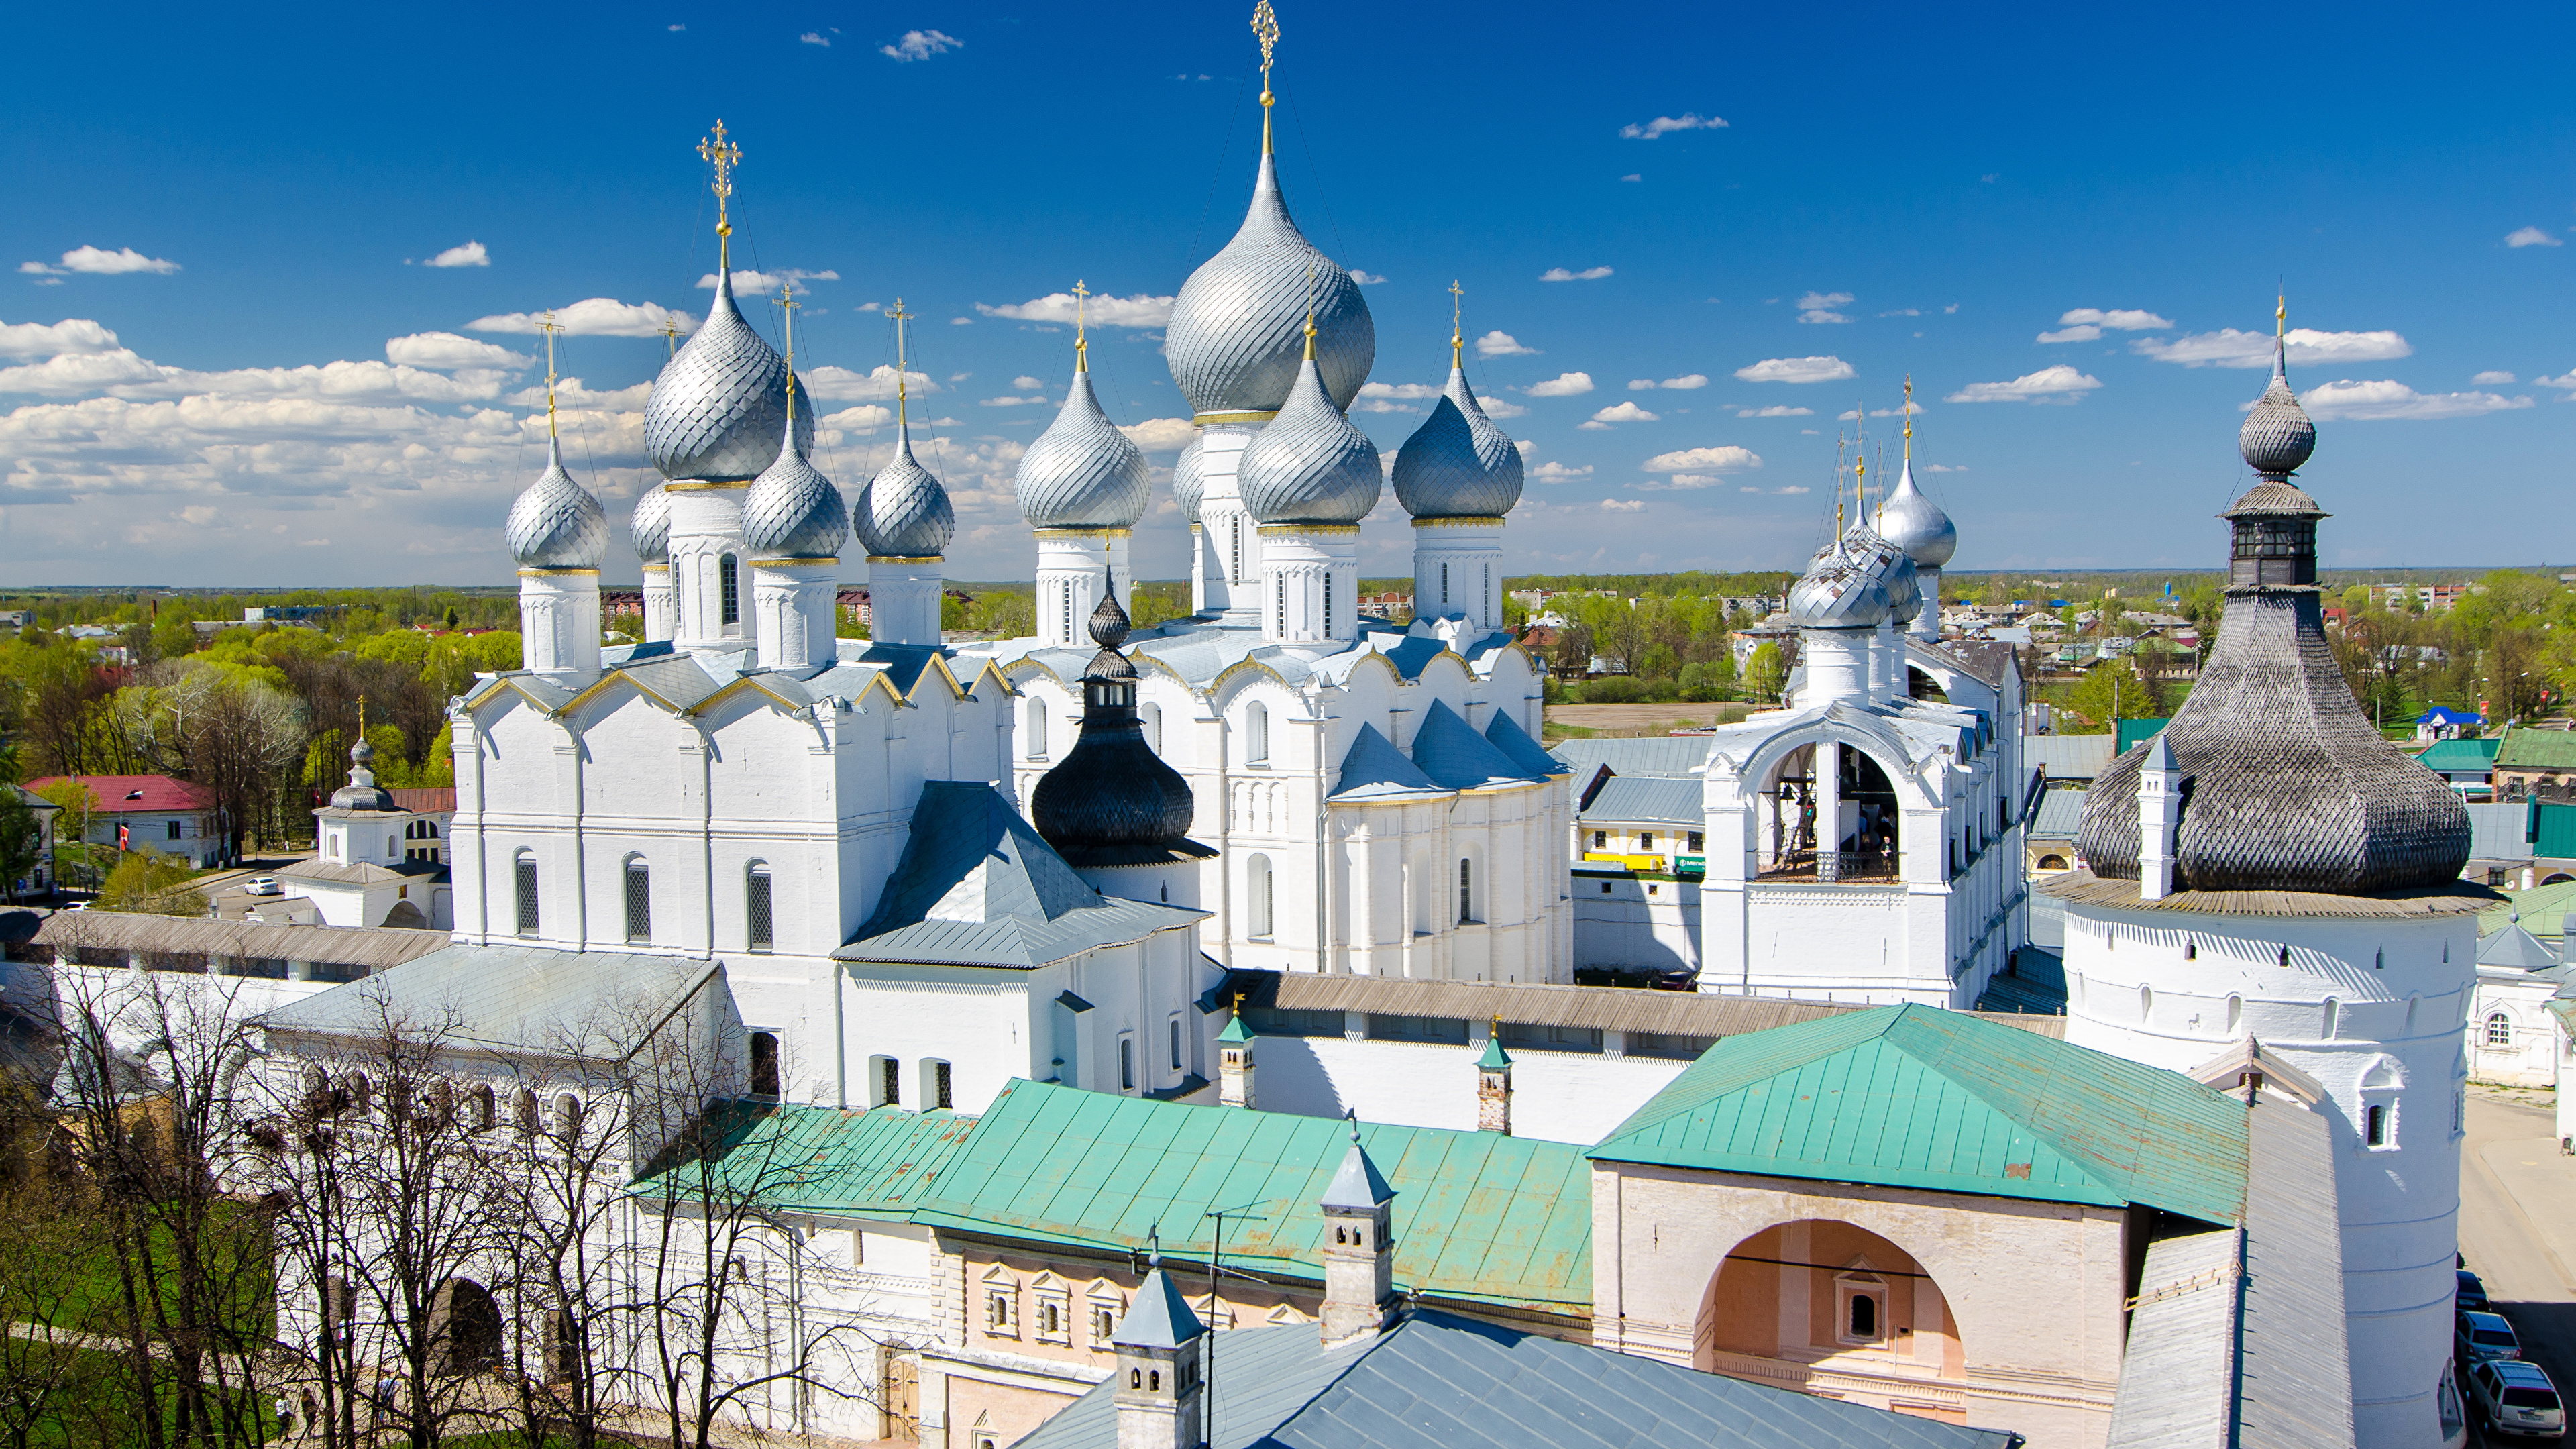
(1112, 800)
(2285, 784)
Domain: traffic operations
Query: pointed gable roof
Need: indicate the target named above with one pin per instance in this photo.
(1159, 1318)
(1449, 750)
(1912, 1096)
(1506, 735)
(1374, 769)
(1357, 1185)
(2516, 948)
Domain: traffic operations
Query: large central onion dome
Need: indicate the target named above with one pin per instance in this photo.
(1458, 464)
(1916, 524)
(652, 525)
(1233, 341)
(1113, 801)
(717, 408)
(556, 524)
(1082, 472)
(792, 510)
(2285, 785)
(903, 512)
(1309, 464)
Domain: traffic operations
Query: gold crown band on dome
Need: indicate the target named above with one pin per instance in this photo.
(1209, 420)
(702, 485)
(1290, 530)
(1464, 520)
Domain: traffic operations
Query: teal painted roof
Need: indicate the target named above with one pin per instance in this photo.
(1912, 1096)
(1495, 1058)
(878, 1164)
(2542, 910)
(1235, 1030)
(2459, 756)
(1478, 1216)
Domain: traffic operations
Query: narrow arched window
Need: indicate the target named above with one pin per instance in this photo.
(639, 901)
(1466, 891)
(2146, 1002)
(1256, 733)
(764, 1064)
(1256, 895)
(2499, 1030)
(567, 1123)
(2333, 1017)
(523, 1112)
(2235, 1013)
(1153, 715)
(729, 589)
(1037, 729)
(523, 869)
(756, 907)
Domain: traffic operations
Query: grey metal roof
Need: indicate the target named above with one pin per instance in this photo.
(1436, 1381)
(1524, 753)
(556, 523)
(2500, 831)
(2068, 757)
(2176, 1376)
(1647, 800)
(1457, 464)
(1238, 325)
(1357, 1182)
(716, 409)
(2060, 812)
(375, 947)
(1374, 769)
(1653, 755)
(1310, 464)
(2516, 948)
(1082, 472)
(517, 998)
(977, 886)
(2452, 897)
(360, 872)
(2294, 1374)
(1450, 751)
(1159, 1318)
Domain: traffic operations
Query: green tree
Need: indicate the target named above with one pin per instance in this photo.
(2109, 691)
(1765, 672)
(22, 838)
(153, 883)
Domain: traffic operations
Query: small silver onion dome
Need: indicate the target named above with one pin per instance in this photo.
(791, 510)
(556, 524)
(1836, 593)
(903, 512)
(1458, 464)
(1189, 478)
(1916, 524)
(1309, 464)
(1082, 472)
(1237, 328)
(2277, 436)
(1879, 557)
(652, 526)
(716, 409)
(362, 792)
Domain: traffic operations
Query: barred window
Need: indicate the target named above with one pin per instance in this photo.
(756, 908)
(729, 589)
(2499, 1030)
(1466, 891)
(639, 901)
(525, 867)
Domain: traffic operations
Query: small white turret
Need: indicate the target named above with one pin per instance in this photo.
(2159, 816)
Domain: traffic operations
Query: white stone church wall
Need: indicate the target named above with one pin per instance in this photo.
(1556, 1096)
(1630, 924)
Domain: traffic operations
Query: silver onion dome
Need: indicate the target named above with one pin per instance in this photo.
(2277, 436)
(556, 524)
(717, 408)
(652, 525)
(903, 512)
(1837, 593)
(1237, 328)
(1458, 464)
(1189, 478)
(1082, 472)
(1309, 464)
(362, 792)
(793, 511)
(1916, 524)
(1879, 557)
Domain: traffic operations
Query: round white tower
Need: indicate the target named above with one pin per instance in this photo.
(904, 520)
(1082, 485)
(2270, 870)
(1458, 475)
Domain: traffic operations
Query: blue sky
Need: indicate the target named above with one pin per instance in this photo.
(225, 357)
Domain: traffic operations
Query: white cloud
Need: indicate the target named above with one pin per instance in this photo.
(1502, 344)
(1559, 472)
(1942, 468)
(745, 279)
(1904, 312)
(922, 45)
(1626, 412)
(1409, 391)
(1024, 383)
(840, 384)
(1564, 384)
(446, 352)
(1560, 274)
(961, 321)
(1666, 125)
(2308, 347)
(98, 262)
(1104, 310)
(2532, 236)
(2383, 400)
(594, 317)
(1793, 488)
(1633, 176)
(2050, 384)
(1814, 301)
(38, 339)
(1776, 410)
(1365, 277)
(813, 37)
(2085, 332)
(471, 254)
(1010, 402)
(1623, 505)
(1678, 384)
(570, 393)
(1795, 369)
(865, 418)
(1162, 435)
(1725, 459)
(1821, 316)
(2569, 381)
(2492, 379)
(2118, 319)
(1496, 407)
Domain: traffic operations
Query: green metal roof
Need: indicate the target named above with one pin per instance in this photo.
(2542, 910)
(2537, 749)
(1912, 1096)
(1478, 1216)
(2459, 756)
(876, 1164)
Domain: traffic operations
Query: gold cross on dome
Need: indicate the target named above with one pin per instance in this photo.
(787, 303)
(1081, 341)
(902, 399)
(724, 156)
(546, 324)
(1457, 331)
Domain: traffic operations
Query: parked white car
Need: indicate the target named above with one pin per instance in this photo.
(263, 885)
(2515, 1397)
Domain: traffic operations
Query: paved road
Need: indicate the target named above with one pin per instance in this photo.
(2518, 1222)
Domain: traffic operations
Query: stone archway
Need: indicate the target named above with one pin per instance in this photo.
(1828, 1307)
(464, 1328)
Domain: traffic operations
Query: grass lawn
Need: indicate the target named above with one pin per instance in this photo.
(96, 1412)
(99, 1293)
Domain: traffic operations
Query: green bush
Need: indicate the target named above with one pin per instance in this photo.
(1612, 689)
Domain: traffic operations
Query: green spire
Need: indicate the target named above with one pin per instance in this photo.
(1235, 1031)
(1495, 1058)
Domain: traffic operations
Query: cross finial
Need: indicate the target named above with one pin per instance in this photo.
(547, 324)
(362, 716)
(1860, 468)
(902, 412)
(724, 156)
(670, 335)
(1310, 302)
(1909, 417)
(1154, 1245)
(1457, 325)
(1265, 26)
(787, 303)
(1081, 341)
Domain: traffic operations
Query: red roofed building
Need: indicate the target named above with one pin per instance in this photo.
(172, 816)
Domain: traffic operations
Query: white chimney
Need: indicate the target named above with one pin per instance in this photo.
(2159, 819)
